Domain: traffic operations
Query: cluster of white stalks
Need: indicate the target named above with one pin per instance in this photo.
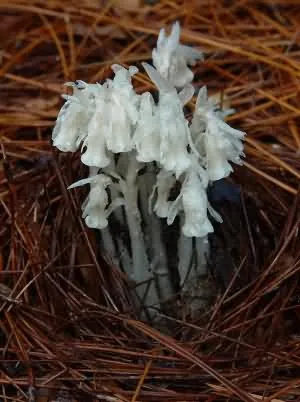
(149, 165)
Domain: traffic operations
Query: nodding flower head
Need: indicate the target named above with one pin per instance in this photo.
(213, 138)
(103, 117)
(173, 127)
(94, 207)
(171, 58)
(122, 78)
(95, 146)
(72, 120)
(146, 137)
(112, 118)
(122, 112)
(193, 204)
(165, 181)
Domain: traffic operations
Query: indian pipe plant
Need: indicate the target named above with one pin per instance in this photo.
(150, 166)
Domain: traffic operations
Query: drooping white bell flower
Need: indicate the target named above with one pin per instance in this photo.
(122, 111)
(71, 124)
(218, 166)
(146, 137)
(216, 140)
(164, 183)
(122, 79)
(94, 207)
(96, 153)
(192, 200)
(171, 58)
(195, 204)
(173, 126)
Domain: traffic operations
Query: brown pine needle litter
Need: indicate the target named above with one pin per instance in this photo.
(67, 327)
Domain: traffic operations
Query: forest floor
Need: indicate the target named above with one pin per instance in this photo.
(66, 333)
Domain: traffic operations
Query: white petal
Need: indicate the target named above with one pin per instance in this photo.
(81, 182)
(94, 208)
(195, 203)
(194, 229)
(161, 37)
(171, 58)
(175, 208)
(174, 140)
(217, 164)
(95, 154)
(164, 183)
(96, 221)
(230, 130)
(146, 137)
(175, 35)
(70, 121)
(122, 111)
(214, 140)
(71, 124)
(161, 83)
(100, 179)
(186, 94)
(190, 54)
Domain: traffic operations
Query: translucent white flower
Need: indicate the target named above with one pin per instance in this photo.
(122, 79)
(192, 200)
(172, 123)
(94, 207)
(216, 141)
(72, 120)
(164, 183)
(146, 137)
(195, 204)
(96, 153)
(122, 110)
(171, 58)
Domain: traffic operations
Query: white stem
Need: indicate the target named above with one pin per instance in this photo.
(202, 253)
(185, 254)
(139, 256)
(126, 261)
(140, 264)
(158, 263)
(196, 293)
(108, 245)
(119, 213)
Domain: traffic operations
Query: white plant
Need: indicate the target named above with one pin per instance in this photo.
(146, 136)
(172, 58)
(173, 127)
(217, 141)
(146, 159)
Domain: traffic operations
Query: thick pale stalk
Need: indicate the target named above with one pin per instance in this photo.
(196, 290)
(141, 274)
(153, 237)
(108, 245)
(202, 254)
(185, 254)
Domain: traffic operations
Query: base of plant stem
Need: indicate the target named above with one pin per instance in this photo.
(197, 296)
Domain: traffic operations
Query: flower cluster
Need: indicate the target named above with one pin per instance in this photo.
(110, 119)
(171, 58)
